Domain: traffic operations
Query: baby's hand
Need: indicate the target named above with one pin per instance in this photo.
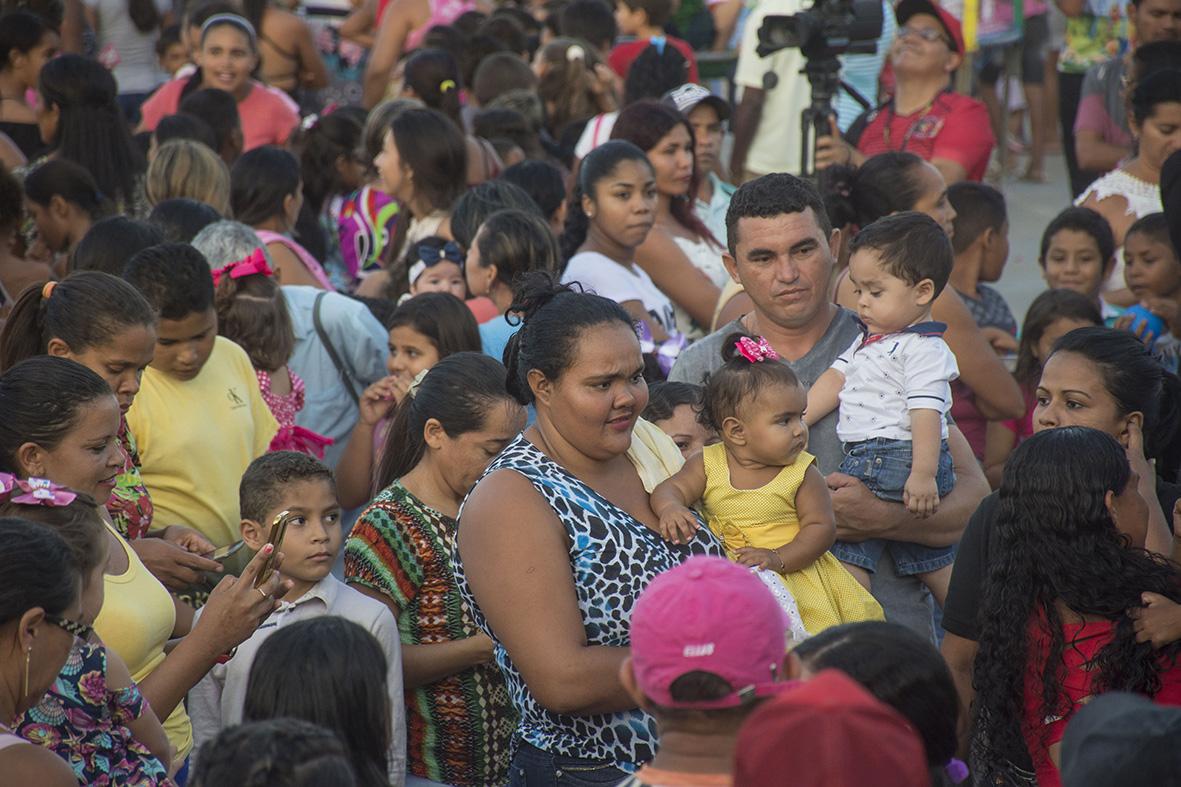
(759, 558)
(678, 525)
(921, 495)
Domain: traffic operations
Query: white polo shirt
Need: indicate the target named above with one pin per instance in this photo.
(887, 376)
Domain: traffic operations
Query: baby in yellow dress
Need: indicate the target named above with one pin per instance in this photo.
(760, 491)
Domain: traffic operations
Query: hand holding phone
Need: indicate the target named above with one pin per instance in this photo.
(275, 539)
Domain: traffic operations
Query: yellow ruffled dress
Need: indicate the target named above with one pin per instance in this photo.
(766, 518)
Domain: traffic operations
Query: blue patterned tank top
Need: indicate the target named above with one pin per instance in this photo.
(613, 557)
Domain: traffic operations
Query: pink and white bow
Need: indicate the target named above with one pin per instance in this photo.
(34, 491)
(254, 264)
(755, 350)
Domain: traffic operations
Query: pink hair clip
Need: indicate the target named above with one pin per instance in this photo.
(35, 491)
(255, 263)
(755, 351)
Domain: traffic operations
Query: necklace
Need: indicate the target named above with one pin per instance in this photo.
(914, 124)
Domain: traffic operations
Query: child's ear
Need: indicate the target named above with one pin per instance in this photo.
(733, 431)
(924, 292)
(254, 534)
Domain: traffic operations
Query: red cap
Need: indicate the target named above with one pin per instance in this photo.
(829, 731)
(908, 8)
(708, 615)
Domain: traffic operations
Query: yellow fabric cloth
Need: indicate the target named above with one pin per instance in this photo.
(654, 454)
(136, 621)
(766, 518)
(196, 439)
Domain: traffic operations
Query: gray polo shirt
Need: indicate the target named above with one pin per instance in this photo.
(903, 598)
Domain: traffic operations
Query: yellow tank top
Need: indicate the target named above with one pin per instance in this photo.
(136, 621)
(765, 517)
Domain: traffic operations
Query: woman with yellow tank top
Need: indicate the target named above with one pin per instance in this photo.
(61, 422)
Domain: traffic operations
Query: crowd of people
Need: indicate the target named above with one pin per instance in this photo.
(458, 393)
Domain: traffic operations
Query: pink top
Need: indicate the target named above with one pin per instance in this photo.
(268, 115)
(309, 262)
(290, 437)
(443, 12)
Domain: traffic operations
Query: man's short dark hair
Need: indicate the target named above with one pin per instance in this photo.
(978, 207)
(773, 195)
(591, 20)
(912, 246)
(182, 125)
(265, 480)
(500, 72)
(542, 181)
(175, 279)
(218, 109)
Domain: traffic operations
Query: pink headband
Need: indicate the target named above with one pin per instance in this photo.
(34, 491)
(254, 264)
(755, 351)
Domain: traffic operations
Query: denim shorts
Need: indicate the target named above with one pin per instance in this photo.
(883, 465)
(534, 767)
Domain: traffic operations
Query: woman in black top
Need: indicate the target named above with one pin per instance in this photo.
(26, 43)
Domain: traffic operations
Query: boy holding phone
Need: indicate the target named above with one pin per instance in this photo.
(301, 488)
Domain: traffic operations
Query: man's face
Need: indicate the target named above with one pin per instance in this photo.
(1157, 20)
(785, 264)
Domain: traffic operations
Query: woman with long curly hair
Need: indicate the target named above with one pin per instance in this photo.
(1067, 573)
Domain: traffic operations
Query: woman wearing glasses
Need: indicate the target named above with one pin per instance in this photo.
(925, 116)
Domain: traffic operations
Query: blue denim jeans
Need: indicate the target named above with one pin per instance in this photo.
(533, 767)
(883, 465)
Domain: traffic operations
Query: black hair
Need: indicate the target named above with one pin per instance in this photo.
(184, 125)
(476, 204)
(20, 31)
(87, 309)
(1046, 309)
(327, 140)
(433, 75)
(175, 279)
(41, 398)
(654, 72)
(508, 32)
(553, 318)
(144, 15)
(1055, 544)
(38, 570)
(260, 180)
(52, 11)
(1138, 384)
(1155, 85)
(109, 243)
(78, 524)
(459, 392)
(737, 381)
(170, 35)
(499, 73)
(598, 164)
(659, 11)
(63, 178)
(590, 20)
(542, 181)
(219, 110)
(329, 671)
(1155, 226)
(180, 218)
(445, 37)
(901, 669)
(517, 242)
(266, 478)
(274, 752)
(886, 183)
(196, 14)
(978, 207)
(665, 397)
(911, 246)
(774, 195)
(496, 122)
(469, 22)
(442, 318)
(477, 48)
(1080, 220)
(435, 151)
(12, 208)
(91, 129)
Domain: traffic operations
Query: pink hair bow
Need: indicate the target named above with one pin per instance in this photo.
(254, 264)
(35, 491)
(755, 351)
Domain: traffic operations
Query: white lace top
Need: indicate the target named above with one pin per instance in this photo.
(707, 258)
(1143, 198)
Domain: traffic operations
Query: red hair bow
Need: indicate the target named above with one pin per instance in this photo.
(755, 350)
(34, 491)
(254, 264)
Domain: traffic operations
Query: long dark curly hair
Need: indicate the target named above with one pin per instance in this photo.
(1055, 541)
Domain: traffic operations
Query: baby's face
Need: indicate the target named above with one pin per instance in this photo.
(886, 303)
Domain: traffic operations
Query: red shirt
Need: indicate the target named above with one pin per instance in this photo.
(954, 127)
(1083, 641)
(268, 115)
(623, 55)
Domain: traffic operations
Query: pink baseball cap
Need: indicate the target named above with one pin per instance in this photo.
(709, 615)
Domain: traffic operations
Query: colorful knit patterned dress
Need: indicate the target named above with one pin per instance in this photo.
(460, 728)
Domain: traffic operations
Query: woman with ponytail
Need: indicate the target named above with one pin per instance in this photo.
(456, 418)
(575, 86)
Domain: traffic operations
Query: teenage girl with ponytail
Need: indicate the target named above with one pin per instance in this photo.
(456, 418)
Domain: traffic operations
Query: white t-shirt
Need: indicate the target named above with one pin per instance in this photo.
(602, 275)
(888, 377)
(133, 54)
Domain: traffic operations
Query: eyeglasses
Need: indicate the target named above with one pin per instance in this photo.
(928, 34)
(79, 630)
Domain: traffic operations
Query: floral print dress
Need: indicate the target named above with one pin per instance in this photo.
(130, 505)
